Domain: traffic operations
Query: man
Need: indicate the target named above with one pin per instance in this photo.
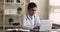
(30, 20)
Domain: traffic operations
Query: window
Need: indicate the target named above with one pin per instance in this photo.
(57, 16)
(55, 2)
(55, 11)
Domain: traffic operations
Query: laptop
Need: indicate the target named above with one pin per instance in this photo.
(46, 25)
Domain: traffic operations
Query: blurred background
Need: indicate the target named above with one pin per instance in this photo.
(48, 11)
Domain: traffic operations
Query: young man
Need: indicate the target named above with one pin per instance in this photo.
(30, 20)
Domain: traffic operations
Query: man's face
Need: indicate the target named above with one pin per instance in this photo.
(32, 11)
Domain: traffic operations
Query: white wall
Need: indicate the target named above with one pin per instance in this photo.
(42, 9)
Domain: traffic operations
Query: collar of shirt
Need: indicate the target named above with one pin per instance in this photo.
(30, 17)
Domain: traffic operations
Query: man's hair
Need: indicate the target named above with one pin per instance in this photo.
(31, 5)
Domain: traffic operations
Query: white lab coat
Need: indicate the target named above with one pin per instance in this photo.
(30, 21)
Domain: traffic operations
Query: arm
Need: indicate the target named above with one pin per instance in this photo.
(37, 27)
(38, 21)
(25, 24)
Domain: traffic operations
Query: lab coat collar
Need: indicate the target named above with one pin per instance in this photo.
(29, 16)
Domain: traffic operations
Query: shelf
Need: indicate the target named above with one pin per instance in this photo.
(5, 6)
(16, 3)
(11, 14)
(1, 25)
(13, 3)
(1, 3)
(0, 14)
(14, 14)
(12, 26)
(7, 3)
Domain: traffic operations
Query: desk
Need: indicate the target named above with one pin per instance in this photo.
(29, 31)
(23, 30)
(17, 30)
(20, 30)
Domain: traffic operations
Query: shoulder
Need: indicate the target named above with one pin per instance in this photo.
(36, 16)
(24, 16)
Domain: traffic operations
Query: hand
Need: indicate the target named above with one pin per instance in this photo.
(37, 27)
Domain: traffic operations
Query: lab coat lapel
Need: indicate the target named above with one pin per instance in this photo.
(31, 21)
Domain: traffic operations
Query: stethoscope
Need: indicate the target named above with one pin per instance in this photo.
(27, 18)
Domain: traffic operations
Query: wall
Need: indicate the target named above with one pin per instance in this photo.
(43, 8)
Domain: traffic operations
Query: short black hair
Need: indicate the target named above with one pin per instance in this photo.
(31, 5)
